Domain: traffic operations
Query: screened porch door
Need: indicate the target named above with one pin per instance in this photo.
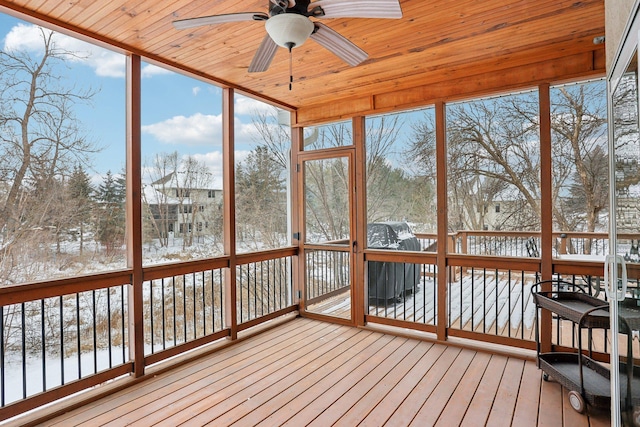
(327, 232)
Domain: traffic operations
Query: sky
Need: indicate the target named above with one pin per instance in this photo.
(179, 113)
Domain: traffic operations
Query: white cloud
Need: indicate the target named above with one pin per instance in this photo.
(241, 155)
(196, 90)
(213, 161)
(245, 133)
(249, 106)
(198, 129)
(105, 63)
(25, 37)
(151, 70)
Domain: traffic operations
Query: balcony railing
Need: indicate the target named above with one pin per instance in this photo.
(65, 336)
(328, 272)
(182, 308)
(264, 287)
(518, 244)
(69, 334)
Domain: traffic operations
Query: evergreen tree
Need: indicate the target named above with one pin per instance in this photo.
(80, 193)
(110, 222)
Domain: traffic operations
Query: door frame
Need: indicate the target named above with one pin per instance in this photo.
(348, 152)
(625, 53)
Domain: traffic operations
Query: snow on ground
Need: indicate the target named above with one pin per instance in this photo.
(53, 369)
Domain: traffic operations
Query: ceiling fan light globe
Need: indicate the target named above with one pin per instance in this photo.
(288, 29)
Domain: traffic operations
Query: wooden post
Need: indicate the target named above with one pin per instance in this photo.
(464, 242)
(546, 209)
(451, 248)
(229, 211)
(563, 244)
(442, 219)
(297, 205)
(134, 214)
(358, 288)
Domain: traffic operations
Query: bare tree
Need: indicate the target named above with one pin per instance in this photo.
(261, 200)
(273, 135)
(579, 120)
(41, 141)
(494, 153)
(327, 199)
(491, 154)
(41, 137)
(386, 182)
(160, 213)
(625, 122)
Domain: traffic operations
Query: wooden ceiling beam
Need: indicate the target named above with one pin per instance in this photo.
(584, 65)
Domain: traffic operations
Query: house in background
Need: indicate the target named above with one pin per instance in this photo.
(176, 211)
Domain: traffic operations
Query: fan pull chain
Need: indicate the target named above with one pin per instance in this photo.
(290, 66)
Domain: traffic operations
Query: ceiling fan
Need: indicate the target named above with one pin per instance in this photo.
(288, 25)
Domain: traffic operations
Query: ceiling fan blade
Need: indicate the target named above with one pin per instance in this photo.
(357, 9)
(182, 24)
(264, 55)
(339, 45)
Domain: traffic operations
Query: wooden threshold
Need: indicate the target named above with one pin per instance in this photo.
(308, 372)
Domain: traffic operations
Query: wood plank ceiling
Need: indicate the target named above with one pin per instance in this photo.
(437, 47)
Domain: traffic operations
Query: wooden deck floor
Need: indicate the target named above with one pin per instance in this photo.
(307, 372)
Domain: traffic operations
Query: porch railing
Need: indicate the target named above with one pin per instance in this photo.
(182, 308)
(264, 286)
(61, 337)
(402, 288)
(64, 336)
(522, 243)
(327, 271)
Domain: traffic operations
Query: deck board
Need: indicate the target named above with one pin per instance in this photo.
(138, 396)
(452, 415)
(526, 412)
(307, 372)
(278, 410)
(480, 406)
(433, 406)
(504, 405)
(361, 391)
(387, 407)
(428, 383)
